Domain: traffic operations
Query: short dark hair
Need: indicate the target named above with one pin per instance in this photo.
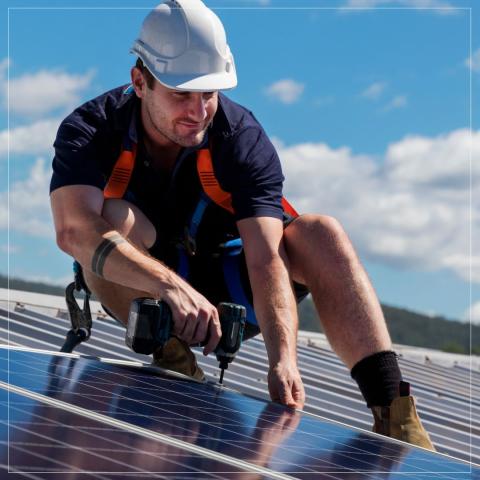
(149, 78)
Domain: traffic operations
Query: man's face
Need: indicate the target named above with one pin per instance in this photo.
(176, 117)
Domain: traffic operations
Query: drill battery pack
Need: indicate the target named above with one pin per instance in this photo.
(149, 325)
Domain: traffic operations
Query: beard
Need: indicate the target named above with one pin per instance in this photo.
(168, 130)
(191, 140)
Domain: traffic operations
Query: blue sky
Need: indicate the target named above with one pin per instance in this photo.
(369, 109)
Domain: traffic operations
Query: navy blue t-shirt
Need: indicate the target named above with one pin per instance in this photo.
(245, 162)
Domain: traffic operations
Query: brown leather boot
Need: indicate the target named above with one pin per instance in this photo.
(401, 421)
(177, 356)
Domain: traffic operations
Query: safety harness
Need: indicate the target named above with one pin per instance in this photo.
(80, 319)
(212, 192)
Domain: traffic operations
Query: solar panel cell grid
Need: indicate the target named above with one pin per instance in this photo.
(442, 393)
(202, 415)
(46, 439)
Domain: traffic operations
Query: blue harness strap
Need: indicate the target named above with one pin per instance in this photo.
(231, 273)
(189, 245)
(231, 251)
(233, 247)
(191, 229)
(182, 267)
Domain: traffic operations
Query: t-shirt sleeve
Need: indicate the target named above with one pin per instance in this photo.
(255, 178)
(76, 155)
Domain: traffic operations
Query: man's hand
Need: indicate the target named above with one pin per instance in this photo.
(195, 319)
(285, 385)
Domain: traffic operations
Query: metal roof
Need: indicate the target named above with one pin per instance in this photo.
(446, 387)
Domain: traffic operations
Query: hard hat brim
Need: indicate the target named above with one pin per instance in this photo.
(192, 82)
(203, 83)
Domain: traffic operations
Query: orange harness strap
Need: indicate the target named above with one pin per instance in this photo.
(122, 171)
(287, 208)
(214, 191)
(209, 182)
(121, 174)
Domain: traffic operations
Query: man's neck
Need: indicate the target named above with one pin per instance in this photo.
(161, 150)
(163, 157)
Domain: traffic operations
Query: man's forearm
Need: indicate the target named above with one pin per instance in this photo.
(275, 308)
(103, 251)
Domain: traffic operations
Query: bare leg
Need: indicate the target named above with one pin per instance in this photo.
(132, 224)
(322, 258)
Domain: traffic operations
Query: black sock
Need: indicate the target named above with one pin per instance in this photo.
(378, 377)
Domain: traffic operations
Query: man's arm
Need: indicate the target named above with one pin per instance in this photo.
(84, 234)
(274, 304)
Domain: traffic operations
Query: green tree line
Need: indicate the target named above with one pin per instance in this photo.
(406, 327)
(411, 328)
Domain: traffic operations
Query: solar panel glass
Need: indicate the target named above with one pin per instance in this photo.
(206, 416)
(46, 439)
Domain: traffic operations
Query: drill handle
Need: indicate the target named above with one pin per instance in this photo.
(232, 320)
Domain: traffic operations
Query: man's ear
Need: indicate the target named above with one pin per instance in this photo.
(138, 82)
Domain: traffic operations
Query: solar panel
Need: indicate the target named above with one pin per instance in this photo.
(80, 414)
(44, 438)
(447, 397)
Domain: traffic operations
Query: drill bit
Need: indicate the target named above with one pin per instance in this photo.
(221, 375)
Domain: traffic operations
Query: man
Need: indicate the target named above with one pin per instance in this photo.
(151, 186)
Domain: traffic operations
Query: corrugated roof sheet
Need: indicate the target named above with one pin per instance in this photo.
(447, 396)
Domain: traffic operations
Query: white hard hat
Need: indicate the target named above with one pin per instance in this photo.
(183, 44)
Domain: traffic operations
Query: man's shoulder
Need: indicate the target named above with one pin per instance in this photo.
(232, 117)
(110, 101)
(111, 110)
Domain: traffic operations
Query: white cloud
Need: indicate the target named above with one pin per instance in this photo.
(374, 91)
(34, 95)
(29, 203)
(286, 91)
(399, 101)
(35, 139)
(440, 7)
(410, 211)
(42, 92)
(439, 161)
(474, 61)
(473, 314)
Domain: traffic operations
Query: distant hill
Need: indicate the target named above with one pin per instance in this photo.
(411, 328)
(406, 327)
(37, 287)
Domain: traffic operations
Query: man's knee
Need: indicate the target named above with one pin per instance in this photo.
(315, 230)
(115, 297)
(130, 222)
(316, 244)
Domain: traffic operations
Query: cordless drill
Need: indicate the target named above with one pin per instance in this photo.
(150, 325)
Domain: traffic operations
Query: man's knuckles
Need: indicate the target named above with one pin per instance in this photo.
(200, 334)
